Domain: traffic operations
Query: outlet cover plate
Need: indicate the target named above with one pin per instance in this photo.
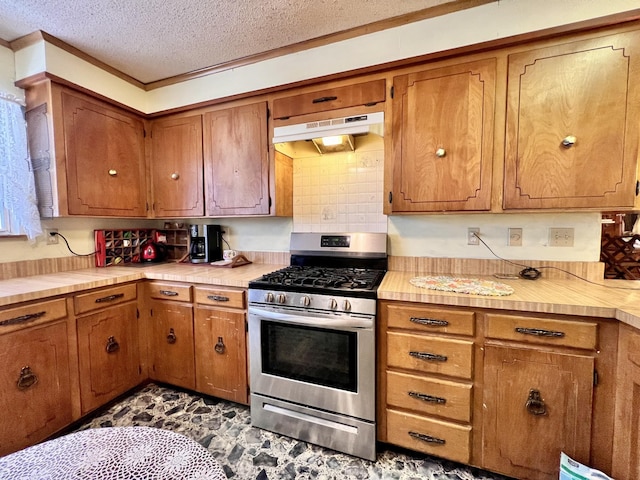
(471, 236)
(51, 239)
(515, 237)
(561, 237)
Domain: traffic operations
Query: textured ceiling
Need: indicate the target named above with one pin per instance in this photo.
(151, 40)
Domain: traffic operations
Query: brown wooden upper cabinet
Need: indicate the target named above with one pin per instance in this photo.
(572, 125)
(177, 167)
(236, 161)
(442, 138)
(367, 93)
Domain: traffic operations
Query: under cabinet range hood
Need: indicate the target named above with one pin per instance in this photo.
(334, 134)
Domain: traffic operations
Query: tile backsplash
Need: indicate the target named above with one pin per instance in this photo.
(339, 192)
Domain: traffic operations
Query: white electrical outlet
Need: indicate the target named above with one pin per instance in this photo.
(561, 237)
(50, 236)
(472, 239)
(515, 237)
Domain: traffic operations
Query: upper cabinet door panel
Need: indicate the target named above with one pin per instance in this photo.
(367, 93)
(176, 166)
(104, 149)
(236, 161)
(571, 133)
(443, 138)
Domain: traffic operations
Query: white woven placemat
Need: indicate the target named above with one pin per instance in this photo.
(473, 286)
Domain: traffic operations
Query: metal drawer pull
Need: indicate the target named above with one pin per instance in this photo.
(171, 338)
(569, 141)
(535, 404)
(27, 378)
(219, 348)
(218, 298)
(22, 318)
(427, 398)
(427, 438)
(539, 332)
(109, 298)
(431, 322)
(324, 99)
(432, 357)
(168, 293)
(112, 345)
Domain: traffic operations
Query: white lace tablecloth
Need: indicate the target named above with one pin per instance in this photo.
(115, 453)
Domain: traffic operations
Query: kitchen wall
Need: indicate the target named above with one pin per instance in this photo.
(8, 72)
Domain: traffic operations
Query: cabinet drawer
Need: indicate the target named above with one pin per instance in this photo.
(170, 291)
(432, 320)
(564, 333)
(428, 435)
(429, 395)
(26, 316)
(430, 354)
(105, 297)
(224, 297)
(330, 99)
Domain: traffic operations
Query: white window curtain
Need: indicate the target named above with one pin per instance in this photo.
(17, 186)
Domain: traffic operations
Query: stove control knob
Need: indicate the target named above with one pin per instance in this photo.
(333, 304)
(282, 298)
(305, 301)
(269, 297)
(346, 306)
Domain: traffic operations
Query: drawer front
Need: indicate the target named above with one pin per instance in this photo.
(102, 298)
(431, 320)
(13, 319)
(428, 435)
(430, 354)
(223, 297)
(170, 291)
(429, 395)
(564, 333)
(330, 99)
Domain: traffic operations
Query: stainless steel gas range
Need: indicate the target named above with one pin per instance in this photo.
(312, 341)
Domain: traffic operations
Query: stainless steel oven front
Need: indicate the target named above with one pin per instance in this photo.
(312, 370)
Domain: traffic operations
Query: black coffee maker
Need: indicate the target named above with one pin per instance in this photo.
(205, 243)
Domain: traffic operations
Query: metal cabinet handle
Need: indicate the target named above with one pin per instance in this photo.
(432, 357)
(569, 141)
(26, 379)
(431, 322)
(218, 298)
(175, 176)
(535, 404)
(324, 99)
(427, 398)
(113, 172)
(22, 318)
(220, 347)
(538, 332)
(427, 438)
(168, 293)
(171, 338)
(112, 345)
(441, 153)
(109, 298)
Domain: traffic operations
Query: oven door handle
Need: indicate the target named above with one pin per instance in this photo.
(348, 322)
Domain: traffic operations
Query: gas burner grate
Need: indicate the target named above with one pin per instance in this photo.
(322, 277)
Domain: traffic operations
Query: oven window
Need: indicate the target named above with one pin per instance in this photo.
(309, 354)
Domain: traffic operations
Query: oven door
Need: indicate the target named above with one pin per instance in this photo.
(314, 359)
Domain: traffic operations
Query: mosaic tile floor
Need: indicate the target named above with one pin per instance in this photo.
(245, 452)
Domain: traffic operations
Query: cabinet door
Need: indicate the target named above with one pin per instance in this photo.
(176, 166)
(537, 404)
(221, 364)
(571, 133)
(34, 380)
(626, 442)
(443, 138)
(236, 161)
(109, 355)
(104, 148)
(171, 344)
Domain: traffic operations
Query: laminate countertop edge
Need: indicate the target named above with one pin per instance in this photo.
(564, 297)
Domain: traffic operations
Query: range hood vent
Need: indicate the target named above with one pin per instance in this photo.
(354, 125)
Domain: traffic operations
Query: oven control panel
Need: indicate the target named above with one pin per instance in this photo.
(331, 241)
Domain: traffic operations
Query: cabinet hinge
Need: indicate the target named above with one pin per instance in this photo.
(595, 377)
(392, 91)
(151, 312)
(637, 187)
(270, 202)
(246, 326)
(137, 313)
(268, 114)
(144, 133)
(248, 390)
(390, 197)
